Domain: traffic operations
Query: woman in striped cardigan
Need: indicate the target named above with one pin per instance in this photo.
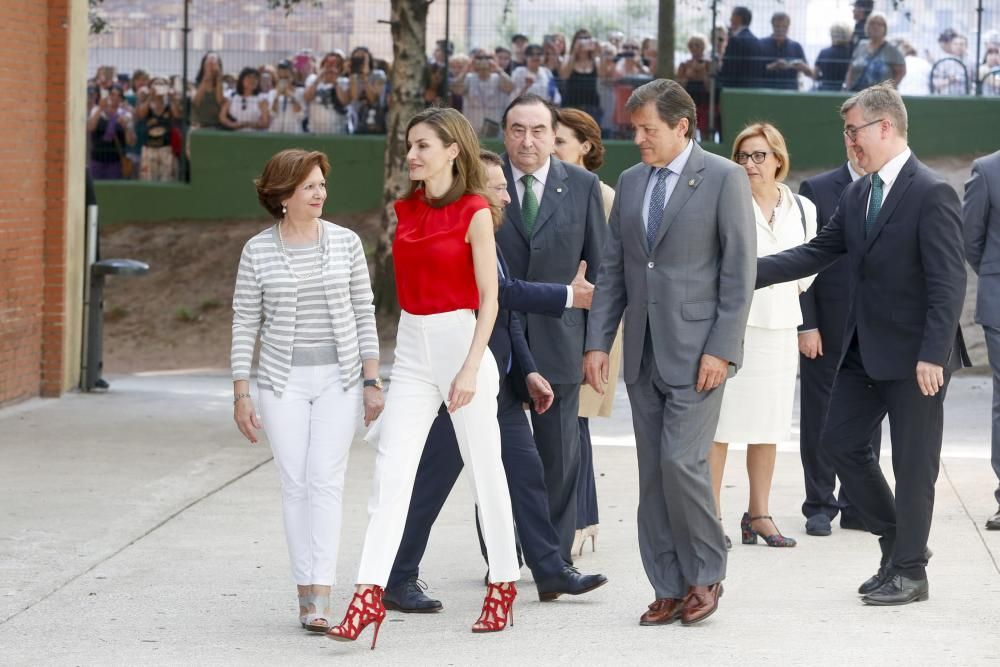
(303, 288)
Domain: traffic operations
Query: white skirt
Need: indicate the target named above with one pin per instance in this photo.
(757, 403)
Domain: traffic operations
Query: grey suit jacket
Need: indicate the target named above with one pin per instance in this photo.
(981, 228)
(694, 288)
(570, 227)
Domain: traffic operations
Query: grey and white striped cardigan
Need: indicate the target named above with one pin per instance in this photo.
(265, 298)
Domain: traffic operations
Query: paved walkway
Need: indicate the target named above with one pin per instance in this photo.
(137, 528)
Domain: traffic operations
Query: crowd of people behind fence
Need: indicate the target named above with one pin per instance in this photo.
(135, 122)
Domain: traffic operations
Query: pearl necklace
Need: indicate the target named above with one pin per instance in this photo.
(288, 259)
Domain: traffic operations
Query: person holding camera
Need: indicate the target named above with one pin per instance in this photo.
(111, 132)
(485, 88)
(208, 95)
(287, 104)
(246, 109)
(158, 108)
(579, 72)
(327, 96)
(362, 65)
(534, 78)
(372, 110)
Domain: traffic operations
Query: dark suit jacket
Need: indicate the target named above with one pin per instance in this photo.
(907, 277)
(508, 333)
(830, 286)
(742, 66)
(981, 213)
(570, 227)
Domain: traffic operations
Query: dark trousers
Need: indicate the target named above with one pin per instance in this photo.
(916, 422)
(993, 350)
(586, 487)
(557, 435)
(440, 466)
(816, 377)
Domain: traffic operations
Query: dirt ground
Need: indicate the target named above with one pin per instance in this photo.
(179, 315)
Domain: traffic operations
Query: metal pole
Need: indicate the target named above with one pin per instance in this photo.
(713, 69)
(979, 47)
(185, 109)
(445, 84)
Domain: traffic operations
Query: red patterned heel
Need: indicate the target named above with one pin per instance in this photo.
(498, 608)
(365, 608)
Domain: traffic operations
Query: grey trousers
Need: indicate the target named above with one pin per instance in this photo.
(993, 350)
(680, 539)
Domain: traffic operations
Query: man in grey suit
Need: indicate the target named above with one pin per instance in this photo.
(981, 226)
(555, 220)
(680, 264)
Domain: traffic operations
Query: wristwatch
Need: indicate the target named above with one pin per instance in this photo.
(377, 383)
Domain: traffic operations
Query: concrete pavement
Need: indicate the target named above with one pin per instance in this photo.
(137, 528)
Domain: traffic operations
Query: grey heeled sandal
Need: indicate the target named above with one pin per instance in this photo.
(316, 621)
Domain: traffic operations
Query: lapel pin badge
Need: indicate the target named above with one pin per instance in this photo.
(691, 182)
(558, 189)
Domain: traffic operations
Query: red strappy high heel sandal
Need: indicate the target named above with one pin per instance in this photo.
(498, 608)
(365, 608)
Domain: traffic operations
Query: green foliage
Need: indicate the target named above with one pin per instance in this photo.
(184, 314)
(98, 24)
(210, 304)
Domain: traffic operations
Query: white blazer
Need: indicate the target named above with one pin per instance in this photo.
(777, 306)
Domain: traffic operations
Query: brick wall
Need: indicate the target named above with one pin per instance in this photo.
(33, 53)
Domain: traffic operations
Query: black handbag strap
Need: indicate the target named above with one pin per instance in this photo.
(802, 216)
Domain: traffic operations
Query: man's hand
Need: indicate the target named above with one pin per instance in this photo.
(595, 369)
(540, 391)
(583, 291)
(930, 378)
(811, 344)
(711, 372)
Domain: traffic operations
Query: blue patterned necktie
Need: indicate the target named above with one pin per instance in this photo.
(875, 205)
(656, 201)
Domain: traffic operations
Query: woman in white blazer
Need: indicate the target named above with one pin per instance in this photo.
(757, 403)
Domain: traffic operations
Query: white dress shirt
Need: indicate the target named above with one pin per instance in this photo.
(538, 187)
(675, 167)
(889, 173)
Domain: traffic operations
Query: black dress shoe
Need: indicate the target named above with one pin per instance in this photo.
(568, 582)
(993, 523)
(409, 598)
(898, 590)
(874, 582)
(818, 525)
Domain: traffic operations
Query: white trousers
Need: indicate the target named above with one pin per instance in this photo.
(430, 350)
(310, 428)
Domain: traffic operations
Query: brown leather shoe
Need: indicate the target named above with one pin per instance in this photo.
(700, 603)
(662, 612)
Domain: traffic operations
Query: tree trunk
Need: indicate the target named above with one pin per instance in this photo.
(409, 38)
(665, 40)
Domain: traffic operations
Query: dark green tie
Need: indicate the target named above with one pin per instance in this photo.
(529, 204)
(875, 205)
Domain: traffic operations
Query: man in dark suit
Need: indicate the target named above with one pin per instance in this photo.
(555, 220)
(981, 226)
(900, 228)
(742, 63)
(821, 341)
(441, 463)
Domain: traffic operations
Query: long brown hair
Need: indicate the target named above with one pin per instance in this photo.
(451, 127)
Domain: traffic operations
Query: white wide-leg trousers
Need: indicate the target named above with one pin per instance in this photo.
(310, 428)
(430, 350)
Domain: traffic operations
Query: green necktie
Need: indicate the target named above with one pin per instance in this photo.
(875, 205)
(529, 204)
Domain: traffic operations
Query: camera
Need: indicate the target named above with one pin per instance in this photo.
(357, 62)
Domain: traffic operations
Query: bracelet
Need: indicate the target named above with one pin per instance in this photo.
(236, 399)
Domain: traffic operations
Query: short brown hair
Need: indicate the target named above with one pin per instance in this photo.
(283, 173)
(672, 102)
(773, 138)
(489, 158)
(586, 129)
(882, 99)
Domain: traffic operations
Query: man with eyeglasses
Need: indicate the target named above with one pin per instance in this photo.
(821, 340)
(900, 228)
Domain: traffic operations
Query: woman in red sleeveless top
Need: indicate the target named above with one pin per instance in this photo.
(446, 270)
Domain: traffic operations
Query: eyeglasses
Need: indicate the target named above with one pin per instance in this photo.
(758, 157)
(852, 132)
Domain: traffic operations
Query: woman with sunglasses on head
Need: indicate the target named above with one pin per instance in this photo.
(757, 404)
(246, 109)
(447, 283)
